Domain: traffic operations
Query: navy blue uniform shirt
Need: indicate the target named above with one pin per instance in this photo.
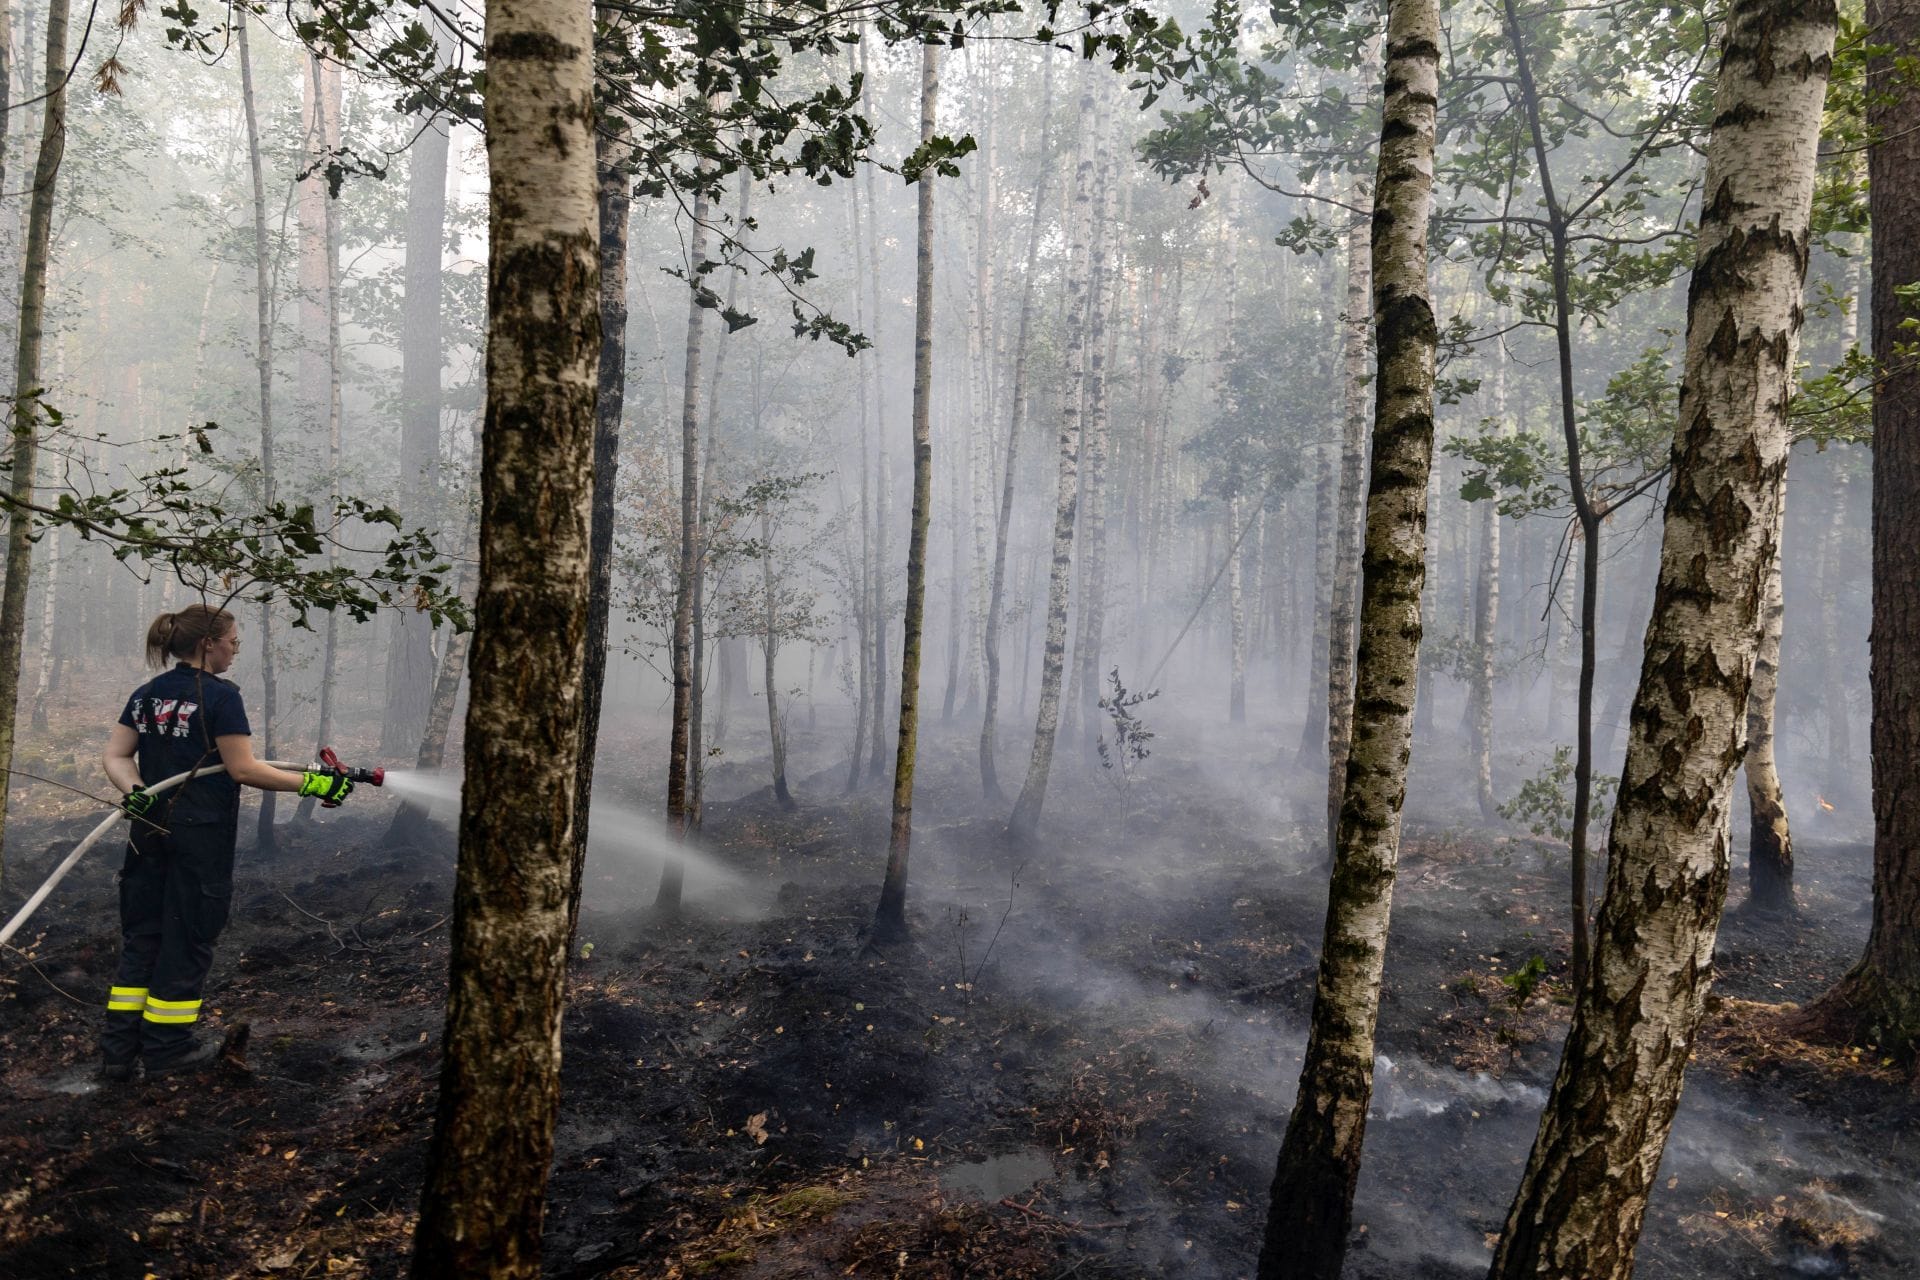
(180, 715)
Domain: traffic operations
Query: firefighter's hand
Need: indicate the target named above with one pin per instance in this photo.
(327, 786)
(136, 802)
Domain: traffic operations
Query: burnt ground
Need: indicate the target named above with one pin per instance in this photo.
(1081, 1067)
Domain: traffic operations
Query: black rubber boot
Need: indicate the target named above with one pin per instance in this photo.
(198, 1054)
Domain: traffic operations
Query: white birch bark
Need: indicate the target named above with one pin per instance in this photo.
(1093, 514)
(1583, 1196)
(1486, 617)
(43, 685)
(1347, 511)
(1770, 841)
(1319, 1165)
(1024, 824)
(989, 773)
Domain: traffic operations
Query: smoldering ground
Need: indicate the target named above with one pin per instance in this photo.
(1136, 1009)
(1087, 1057)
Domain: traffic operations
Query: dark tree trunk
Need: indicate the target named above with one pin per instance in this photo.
(27, 406)
(679, 765)
(615, 200)
(697, 708)
(1879, 1001)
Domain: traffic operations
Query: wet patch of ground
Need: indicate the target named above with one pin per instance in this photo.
(1081, 1067)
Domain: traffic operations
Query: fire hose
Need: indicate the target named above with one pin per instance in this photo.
(330, 763)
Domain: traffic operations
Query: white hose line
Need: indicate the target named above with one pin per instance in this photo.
(67, 864)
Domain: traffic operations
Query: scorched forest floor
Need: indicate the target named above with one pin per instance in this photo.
(1081, 1068)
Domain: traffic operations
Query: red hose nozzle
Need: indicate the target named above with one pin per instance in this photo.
(375, 776)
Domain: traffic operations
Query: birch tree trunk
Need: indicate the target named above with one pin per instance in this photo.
(1347, 514)
(482, 1205)
(1583, 1196)
(43, 686)
(1839, 771)
(957, 451)
(863, 609)
(1839, 762)
(1093, 515)
(980, 424)
(1879, 1001)
(1024, 824)
(882, 469)
(1314, 737)
(996, 595)
(1227, 406)
(890, 918)
(1770, 842)
(263, 364)
(1486, 619)
(679, 815)
(1312, 1199)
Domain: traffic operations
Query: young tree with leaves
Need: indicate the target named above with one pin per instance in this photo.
(890, 918)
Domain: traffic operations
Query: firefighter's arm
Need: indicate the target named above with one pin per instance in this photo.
(236, 752)
(122, 765)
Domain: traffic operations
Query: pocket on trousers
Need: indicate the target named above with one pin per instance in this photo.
(215, 905)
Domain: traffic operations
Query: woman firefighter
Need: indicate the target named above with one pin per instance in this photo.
(177, 884)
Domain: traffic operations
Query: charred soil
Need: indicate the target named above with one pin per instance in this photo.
(1081, 1066)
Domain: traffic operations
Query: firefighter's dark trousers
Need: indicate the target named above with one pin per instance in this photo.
(175, 892)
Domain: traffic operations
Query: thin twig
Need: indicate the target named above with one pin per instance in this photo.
(1013, 882)
(429, 929)
(332, 932)
(84, 1004)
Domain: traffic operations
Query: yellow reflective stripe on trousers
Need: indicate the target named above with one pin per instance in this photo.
(172, 1010)
(127, 999)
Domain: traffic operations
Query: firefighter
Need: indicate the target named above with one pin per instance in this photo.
(177, 883)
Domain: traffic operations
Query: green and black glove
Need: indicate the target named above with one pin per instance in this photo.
(329, 787)
(136, 802)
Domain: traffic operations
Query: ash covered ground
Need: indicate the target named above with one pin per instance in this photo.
(1082, 1067)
